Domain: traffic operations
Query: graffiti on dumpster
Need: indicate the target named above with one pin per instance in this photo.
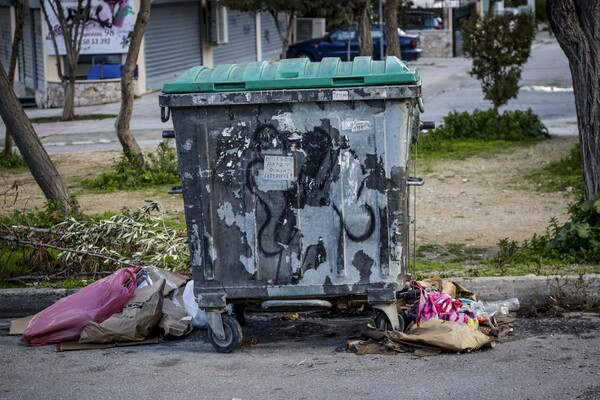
(294, 199)
(308, 164)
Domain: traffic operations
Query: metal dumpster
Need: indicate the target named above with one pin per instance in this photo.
(294, 182)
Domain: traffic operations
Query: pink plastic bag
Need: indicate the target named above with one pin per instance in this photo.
(65, 319)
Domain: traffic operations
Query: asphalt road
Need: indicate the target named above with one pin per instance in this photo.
(546, 358)
(545, 87)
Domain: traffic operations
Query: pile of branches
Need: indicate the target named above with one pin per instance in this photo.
(84, 246)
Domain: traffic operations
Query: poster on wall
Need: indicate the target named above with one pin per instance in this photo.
(107, 27)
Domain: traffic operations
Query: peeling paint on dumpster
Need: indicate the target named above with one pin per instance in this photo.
(296, 193)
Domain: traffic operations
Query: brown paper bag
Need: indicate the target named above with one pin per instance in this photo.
(134, 323)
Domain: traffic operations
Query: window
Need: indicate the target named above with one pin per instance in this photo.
(343, 35)
(87, 61)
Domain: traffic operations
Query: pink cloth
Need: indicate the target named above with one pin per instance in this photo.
(441, 306)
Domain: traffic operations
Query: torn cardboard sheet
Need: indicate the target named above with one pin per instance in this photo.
(73, 345)
(435, 334)
(455, 290)
(18, 326)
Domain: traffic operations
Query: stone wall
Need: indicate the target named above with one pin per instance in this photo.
(435, 43)
(87, 93)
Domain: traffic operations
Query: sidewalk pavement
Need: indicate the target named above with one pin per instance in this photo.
(91, 135)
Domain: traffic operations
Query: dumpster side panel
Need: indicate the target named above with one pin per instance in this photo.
(303, 199)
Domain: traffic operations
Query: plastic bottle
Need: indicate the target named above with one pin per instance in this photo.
(501, 307)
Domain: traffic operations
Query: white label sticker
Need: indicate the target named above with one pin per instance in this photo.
(278, 168)
(340, 95)
(354, 125)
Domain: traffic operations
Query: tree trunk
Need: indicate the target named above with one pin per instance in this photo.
(38, 161)
(72, 25)
(69, 99)
(288, 38)
(285, 37)
(130, 146)
(390, 19)
(365, 40)
(14, 56)
(576, 25)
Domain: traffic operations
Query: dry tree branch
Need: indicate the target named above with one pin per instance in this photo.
(33, 244)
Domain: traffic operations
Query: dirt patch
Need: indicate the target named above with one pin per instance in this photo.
(476, 202)
(73, 168)
(480, 201)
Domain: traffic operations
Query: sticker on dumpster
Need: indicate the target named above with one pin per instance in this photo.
(286, 122)
(278, 168)
(340, 95)
(354, 125)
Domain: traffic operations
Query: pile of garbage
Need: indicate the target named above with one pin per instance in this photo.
(143, 305)
(130, 306)
(440, 316)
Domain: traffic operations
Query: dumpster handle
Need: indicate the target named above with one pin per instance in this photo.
(176, 190)
(414, 181)
(165, 114)
(421, 105)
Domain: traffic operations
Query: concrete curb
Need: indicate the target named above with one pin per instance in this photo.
(16, 303)
(533, 293)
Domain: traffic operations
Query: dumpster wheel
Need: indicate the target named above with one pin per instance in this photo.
(233, 335)
(383, 322)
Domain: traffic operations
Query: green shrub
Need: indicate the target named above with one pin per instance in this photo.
(41, 218)
(162, 169)
(482, 125)
(575, 242)
(14, 161)
(579, 239)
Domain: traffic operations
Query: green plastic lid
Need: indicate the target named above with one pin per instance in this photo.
(297, 73)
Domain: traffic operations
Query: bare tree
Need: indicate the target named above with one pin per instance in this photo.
(363, 12)
(130, 146)
(576, 25)
(71, 26)
(14, 56)
(38, 161)
(390, 18)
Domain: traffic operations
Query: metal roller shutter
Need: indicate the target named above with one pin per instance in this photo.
(5, 37)
(39, 44)
(173, 42)
(271, 43)
(27, 54)
(242, 40)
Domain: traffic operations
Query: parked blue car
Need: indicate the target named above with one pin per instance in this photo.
(335, 44)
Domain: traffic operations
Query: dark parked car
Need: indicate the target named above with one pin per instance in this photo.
(421, 20)
(335, 44)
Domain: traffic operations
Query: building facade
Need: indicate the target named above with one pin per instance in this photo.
(180, 34)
